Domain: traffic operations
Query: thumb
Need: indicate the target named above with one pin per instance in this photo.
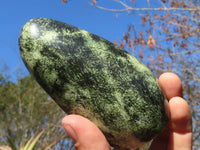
(85, 134)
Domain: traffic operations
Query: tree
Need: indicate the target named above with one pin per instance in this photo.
(169, 40)
(25, 109)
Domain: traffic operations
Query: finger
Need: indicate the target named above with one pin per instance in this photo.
(180, 115)
(84, 133)
(170, 84)
(179, 130)
(181, 124)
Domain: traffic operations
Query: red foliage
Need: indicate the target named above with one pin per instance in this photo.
(184, 44)
(168, 15)
(122, 45)
(130, 44)
(178, 4)
(132, 1)
(64, 1)
(151, 42)
(165, 29)
(148, 1)
(126, 37)
(156, 16)
(94, 2)
(145, 19)
(115, 42)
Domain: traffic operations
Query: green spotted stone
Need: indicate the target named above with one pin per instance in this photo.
(88, 75)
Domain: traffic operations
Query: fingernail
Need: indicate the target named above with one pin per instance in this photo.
(70, 132)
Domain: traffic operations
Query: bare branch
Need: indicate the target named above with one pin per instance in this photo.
(122, 3)
(147, 9)
(129, 8)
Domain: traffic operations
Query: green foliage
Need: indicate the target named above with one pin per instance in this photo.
(30, 145)
(25, 109)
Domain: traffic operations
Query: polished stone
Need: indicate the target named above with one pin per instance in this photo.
(88, 75)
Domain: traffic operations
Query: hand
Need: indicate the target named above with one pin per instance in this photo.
(176, 136)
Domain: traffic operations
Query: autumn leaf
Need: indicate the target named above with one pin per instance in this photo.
(156, 16)
(64, 1)
(148, 2)
(121, 45)
(151, 42)
(94, 2)
(115, 42)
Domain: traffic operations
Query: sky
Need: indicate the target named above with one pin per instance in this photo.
(15, 13)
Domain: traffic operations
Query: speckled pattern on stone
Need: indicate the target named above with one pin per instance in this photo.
(88, 75)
